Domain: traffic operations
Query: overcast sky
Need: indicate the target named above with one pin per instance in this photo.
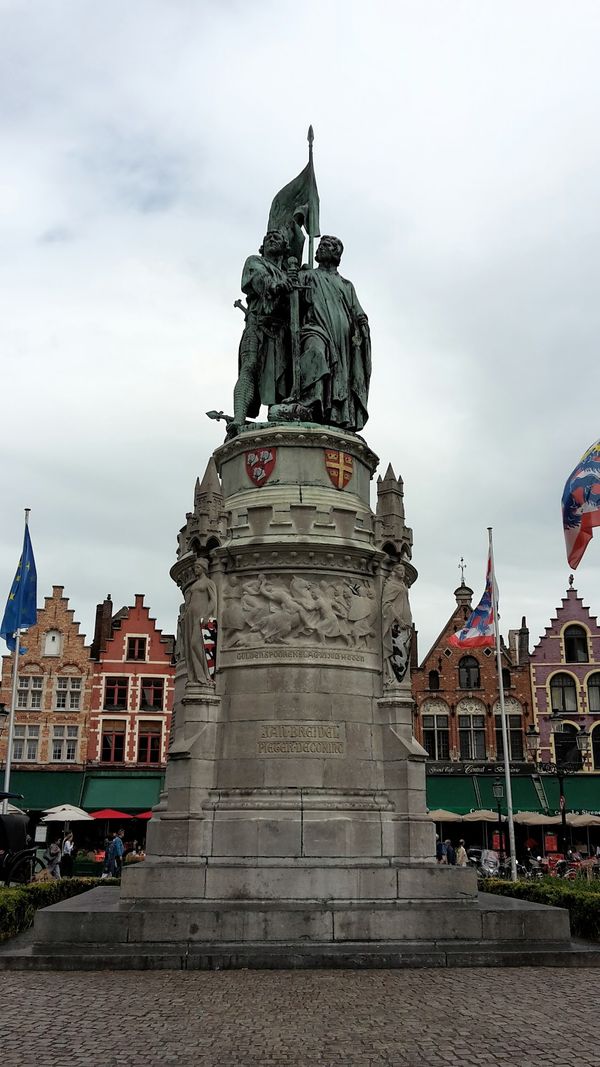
(458, 157)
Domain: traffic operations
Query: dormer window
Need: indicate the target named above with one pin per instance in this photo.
(52, 643)
(468, 673)
(576, 645)
(136, 648)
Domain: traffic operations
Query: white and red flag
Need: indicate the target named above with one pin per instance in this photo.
(478, 631)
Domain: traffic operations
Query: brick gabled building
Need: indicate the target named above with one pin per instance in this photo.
(53, 704)
(565, 679)
(131, 706)
(457, 712)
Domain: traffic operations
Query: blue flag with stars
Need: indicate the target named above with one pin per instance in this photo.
(21, 606)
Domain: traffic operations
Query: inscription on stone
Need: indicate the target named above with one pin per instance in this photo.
(301, 739)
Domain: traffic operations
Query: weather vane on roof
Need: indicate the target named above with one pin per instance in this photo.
(462, 566)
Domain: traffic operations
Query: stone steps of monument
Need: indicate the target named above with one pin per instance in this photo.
(23, 953)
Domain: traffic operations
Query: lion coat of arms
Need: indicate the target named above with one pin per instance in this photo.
(260, 464)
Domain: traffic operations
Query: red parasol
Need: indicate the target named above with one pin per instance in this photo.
(143, 815)
(109, 813)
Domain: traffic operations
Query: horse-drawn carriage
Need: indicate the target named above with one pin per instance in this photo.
(18, 857)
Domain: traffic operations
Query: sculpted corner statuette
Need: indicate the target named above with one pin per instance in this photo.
(200, 606)
(396, 627)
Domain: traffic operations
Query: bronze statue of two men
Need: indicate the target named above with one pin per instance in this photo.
(306, 350)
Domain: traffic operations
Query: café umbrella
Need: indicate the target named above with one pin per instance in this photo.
(443, 815)
(482, 815)
(66, 814)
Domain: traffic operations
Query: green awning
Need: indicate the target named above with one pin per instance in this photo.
(128, 791)
(46, 789)
(524, 795)
(453, 792)
(582, 792)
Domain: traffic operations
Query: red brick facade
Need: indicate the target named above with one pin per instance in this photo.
(132, 694)
(457, 698)
(54, 692)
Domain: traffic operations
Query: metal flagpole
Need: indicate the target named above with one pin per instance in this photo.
(509, 807)
(13, 704)
(311, 240)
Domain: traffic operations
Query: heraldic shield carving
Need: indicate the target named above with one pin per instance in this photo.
(260, 464)
(339, 467)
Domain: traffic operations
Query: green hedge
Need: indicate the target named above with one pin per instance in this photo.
(19, 904)
(580, 898)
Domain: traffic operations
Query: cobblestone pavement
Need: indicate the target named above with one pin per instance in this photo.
(327, 1018)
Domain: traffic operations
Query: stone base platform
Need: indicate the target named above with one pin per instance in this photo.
(96, 931)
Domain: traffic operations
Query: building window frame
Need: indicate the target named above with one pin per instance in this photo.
(136, 649)
(30, 692)
(65, 743)
(563, 698)
(52, 643)
(149, 743)
(472, 743)
(469, 673)
(593, 692)
(436, 735)
(576, 643)
(116, 692)
(152, 693)
(113, 742)
(26, 742)
(67, 692)
(515, 736)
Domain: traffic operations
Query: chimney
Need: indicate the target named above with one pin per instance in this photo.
(102, 628)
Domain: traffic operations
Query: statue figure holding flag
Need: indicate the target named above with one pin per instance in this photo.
(306, 351)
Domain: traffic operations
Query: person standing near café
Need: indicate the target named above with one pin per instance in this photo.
(461, 854)
(66, 863)
(115, 854)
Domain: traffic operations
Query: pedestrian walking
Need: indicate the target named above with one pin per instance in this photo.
(461, 854)
(450, 853)
(440, 850)
(52, 856)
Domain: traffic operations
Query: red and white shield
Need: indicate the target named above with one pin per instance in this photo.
(209, 640)
(260, 464)
(339, 467)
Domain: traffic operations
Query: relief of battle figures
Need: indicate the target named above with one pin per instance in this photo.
(282, 611)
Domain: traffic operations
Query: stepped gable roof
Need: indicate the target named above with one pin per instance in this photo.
(571, 609)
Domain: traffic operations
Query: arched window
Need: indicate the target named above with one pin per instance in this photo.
(576, 645)
(594, 692)
(566, 750)
(468, 673)
(434, 679)
(563, 694)
(506, 677)
(596, 747)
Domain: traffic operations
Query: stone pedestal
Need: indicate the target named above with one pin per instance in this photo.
(297, 778)
(294, 810)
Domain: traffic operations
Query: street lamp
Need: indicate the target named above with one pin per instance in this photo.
(584, 741)
(532, 741)
(558, 731)
(498, 791)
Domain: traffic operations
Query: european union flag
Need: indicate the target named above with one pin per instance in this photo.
(21, 606)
